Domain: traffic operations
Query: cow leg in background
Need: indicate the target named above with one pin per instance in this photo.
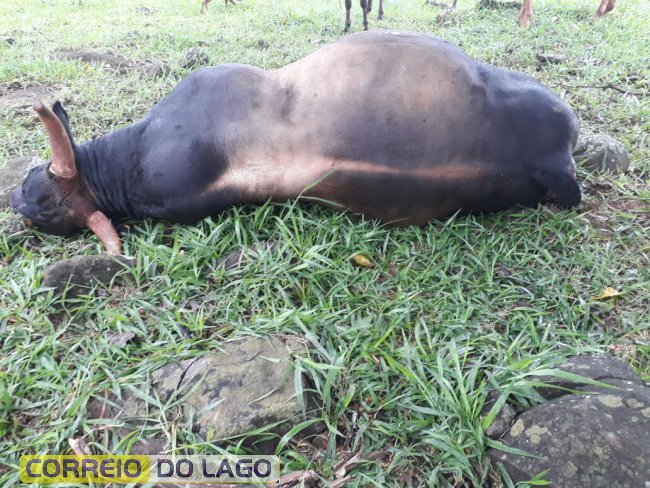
(604, 7)
(526, 13)
(366, 9)
(204, 5)
(231, 1)
(348, 22)
(380, 14)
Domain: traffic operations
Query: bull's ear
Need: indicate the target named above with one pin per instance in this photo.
(62, 115)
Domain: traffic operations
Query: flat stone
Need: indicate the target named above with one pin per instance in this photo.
(598, 368)
(12, 174)
(248, 386)
(599, 439)
(77, 276)
(601, 153)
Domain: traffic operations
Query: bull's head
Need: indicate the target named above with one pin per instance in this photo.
(52, 196)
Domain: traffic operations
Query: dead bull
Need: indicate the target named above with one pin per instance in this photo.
(401, 127)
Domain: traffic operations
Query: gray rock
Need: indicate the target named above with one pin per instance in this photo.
(78, 275)
(503, 419)
(601, 152)
(599, 440)
(194, 58)
(12, 174)
(598, 368)
(249, 385)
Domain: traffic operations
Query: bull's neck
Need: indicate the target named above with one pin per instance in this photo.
(103, 165)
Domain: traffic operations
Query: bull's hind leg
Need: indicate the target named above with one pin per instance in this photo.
(348, 22)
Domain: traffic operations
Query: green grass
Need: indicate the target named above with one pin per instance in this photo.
(405, 352)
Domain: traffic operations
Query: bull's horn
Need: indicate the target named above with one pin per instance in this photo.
(103, 228)
(63, 164)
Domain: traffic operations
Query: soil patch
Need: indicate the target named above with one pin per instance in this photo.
(12, 174)
(17, 98)
(115, 63)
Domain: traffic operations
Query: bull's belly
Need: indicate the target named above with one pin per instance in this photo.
(402, 196)
(404, 200)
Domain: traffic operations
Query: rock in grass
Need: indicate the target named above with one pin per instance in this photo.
(597, 439)
(601, 153)
(12, 174)
(503, 419)
(597, 368)
(249, 385)
(194, 58)
(78, 275)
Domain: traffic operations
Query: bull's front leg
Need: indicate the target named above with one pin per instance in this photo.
(348, 22)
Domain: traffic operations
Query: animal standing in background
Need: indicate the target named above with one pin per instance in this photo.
(366, 6)
(526, 12)
(441, 134)
(204, 4)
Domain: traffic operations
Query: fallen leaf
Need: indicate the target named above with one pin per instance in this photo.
(296, 478)
(119, 339)
(79, 447)
(608, 292)
(361, 261)
(347, 464)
